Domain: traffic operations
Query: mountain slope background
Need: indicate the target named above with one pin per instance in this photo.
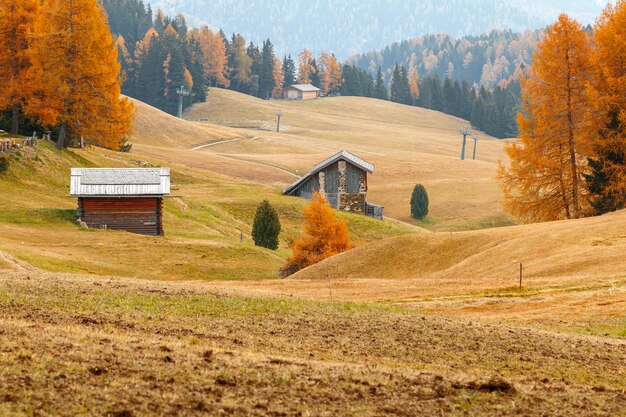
(352, 26)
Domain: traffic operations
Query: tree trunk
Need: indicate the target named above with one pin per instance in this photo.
(572, 152)
(15, 122)
(62, 136)
(566, 203)
(570, 137)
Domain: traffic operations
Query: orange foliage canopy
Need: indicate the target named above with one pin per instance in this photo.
(414, 81)
(304, 67)
(330, 73)
(214, 55)
(545, 179)
(16, 17)
(75, 75)
(323, 237)
(279, 77)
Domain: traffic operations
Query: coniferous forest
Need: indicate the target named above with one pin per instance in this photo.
(475, 78)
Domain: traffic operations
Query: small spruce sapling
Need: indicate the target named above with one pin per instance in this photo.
(419, 202)
(266, 226)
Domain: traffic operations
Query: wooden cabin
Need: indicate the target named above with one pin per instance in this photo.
(342, 179)
(129, 199)
(301, 92)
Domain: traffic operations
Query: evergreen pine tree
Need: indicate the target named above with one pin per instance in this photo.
(396, 93)
(424, 100)
(175, 71)
(239, 63)
(289, 71)
(419, 202)
(404, 84)
(196, 68)
(465, 101)
(380, 91)
(266, 227)
(266, 75)
(478, 115)
(314, 74)
(602, 199)
(149, 81)
(225, 40)
(255, 69)
(436, 94)
(449, 101)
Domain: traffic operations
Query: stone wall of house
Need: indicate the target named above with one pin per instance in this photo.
(341, 171)
(354, 203)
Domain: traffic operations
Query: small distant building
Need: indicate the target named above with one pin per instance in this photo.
(342, 179)
(129, 199)
(301, 92)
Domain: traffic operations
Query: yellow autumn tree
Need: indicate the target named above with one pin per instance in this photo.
(545, 177)
(330, 73)
(414, 82)
(304, 66)
(608, 96)
(323, 236)
(75, 75)
(16, 20)
(279, 77)
(214, 55)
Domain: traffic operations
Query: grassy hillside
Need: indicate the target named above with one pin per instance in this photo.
(586, 248)
(408, 323)
(407, 145)
(573, 274)
(203, 225)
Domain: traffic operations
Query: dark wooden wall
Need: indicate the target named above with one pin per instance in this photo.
(354, 177)
(142, 215)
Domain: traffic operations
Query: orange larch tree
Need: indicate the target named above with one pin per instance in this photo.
(324, 73)
(608, 94)
(414, 81)
(279, 77)
(330, 73)
(75, 75)
(323, 236)
(214, 55)
(16, 20)
(304, 67)
(545, 178)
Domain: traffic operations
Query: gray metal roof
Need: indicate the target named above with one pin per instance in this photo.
(343, 155)
(119, 181)
(304, 87)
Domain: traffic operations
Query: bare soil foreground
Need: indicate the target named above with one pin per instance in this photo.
(82, 345)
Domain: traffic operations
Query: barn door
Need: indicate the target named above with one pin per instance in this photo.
(331, 186)
(333, 201)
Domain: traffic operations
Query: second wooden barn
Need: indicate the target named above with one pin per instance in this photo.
(129, 199)
(342, 179)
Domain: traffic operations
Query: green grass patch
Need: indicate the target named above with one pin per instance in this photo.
(489, 222)
(41, 216)
(136, 303)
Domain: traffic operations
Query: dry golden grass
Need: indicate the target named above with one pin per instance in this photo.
(158, 128)
(74, 344)
(407, 145)
(573, 275)
(204, 226)
(82, 331)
